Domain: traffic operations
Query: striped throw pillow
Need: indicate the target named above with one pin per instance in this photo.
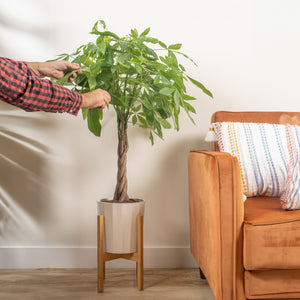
(262, 153)
(290, 197)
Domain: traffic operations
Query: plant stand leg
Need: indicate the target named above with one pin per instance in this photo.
(100, 255)
(140, 253)
(138, 256)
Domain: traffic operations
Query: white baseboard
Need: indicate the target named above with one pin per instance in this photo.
(41, 257)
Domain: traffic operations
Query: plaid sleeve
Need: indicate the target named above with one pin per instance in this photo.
(21, 87)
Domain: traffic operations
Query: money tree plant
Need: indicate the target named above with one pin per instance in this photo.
(146, 82)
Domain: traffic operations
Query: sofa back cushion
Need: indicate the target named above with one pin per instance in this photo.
(290, 198)
(262, 152)
(271, 117)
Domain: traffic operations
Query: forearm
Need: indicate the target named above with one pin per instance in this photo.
(47, 96)
(35, 67)
(20, 86)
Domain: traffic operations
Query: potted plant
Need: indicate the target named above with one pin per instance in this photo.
(147, 88)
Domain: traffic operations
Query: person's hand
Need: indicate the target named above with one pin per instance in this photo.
(97, 98)
(55, 69)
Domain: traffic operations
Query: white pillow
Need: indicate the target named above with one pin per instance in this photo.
(290, 198)
(262, 153)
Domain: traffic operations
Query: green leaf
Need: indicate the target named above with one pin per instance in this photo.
(134, 120)
(146, 103)
(166, 91)
(114, 69)
(134, 81)
(162, 44)
(84, 112)
(151, 40)
(163, 113)
(177, 98)
(187, 97)
(165, 124)
(93, 121)
(64, 80)
(182, 67)
(159, 129)
(143, 122)
(156, 79)
(145, 32)
(176, 120)
(139, 69)
(124, 59)
(116, 101)
(177, 77)
(162, 79)
(151, 138)
(102, 47)
(201, 86)
(92, 81)
(102, 23)
(108, 60)
(95, 69)
(134, 33)
(107, 33)
(95, 28)
(189, 107)
(136, 109)
(148, 50)
(153, 65)
(124, 45)
(175, 46)
(150, 117)
(172, 59)
(99, 40)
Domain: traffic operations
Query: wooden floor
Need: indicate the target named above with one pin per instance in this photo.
(69, 284)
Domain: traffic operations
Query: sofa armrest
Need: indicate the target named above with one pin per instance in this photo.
(216, 221)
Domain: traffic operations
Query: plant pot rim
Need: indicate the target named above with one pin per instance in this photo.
(106, 200)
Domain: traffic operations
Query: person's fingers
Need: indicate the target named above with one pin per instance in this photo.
(106, 95)
(73, 76)
(75, 66)
(72, 66)
(106, 100)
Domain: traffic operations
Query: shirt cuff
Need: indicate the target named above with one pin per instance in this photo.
(77, 97)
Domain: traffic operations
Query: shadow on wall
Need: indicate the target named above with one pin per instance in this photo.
(23, 176)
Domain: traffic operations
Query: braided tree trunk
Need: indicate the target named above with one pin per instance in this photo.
(122, 185)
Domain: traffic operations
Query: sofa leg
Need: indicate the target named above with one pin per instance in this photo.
(202, 276)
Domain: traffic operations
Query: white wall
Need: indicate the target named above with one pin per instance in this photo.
(53, 169)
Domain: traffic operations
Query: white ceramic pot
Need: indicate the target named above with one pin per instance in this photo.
(120, 225)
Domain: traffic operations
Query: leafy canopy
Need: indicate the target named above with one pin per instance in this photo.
(147, 86)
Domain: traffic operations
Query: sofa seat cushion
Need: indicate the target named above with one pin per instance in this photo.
(270, 284)
(271, 235)
(267, 210)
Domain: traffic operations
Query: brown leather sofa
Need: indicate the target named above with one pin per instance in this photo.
(245, 250)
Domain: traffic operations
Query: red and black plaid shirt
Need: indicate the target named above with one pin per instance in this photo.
(21, 87)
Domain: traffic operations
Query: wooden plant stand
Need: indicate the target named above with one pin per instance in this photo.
(102, 256)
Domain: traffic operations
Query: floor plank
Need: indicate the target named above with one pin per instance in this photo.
(49, 284)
